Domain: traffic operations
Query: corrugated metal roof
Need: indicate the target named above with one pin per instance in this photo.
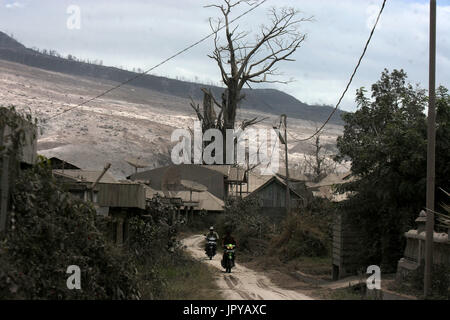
(206, 200)
(58, 163)
(137, 162)
(275, 179)
(232, 173)
(256, 180)
(332, 179)
(292, 175)
(85, 175)
(328, 193)
(169, 177)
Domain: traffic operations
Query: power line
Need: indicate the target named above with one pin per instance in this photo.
(159, 64)
(274, 145)
(351, 78)
(343, 94)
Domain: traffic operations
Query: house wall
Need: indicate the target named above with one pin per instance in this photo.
(121, 195)
(272, 201)
(274, 196)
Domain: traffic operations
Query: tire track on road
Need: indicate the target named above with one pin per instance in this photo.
(243, 283)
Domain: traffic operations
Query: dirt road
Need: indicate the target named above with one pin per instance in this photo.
(242, 283)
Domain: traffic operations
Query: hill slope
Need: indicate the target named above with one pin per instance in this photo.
(266, 100)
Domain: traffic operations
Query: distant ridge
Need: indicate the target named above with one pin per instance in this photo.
(264, 100)
(6, 42)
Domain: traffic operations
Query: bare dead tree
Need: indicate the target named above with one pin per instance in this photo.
(320, 163)
(245, 58)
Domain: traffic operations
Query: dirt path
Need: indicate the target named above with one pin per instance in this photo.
(242, 283)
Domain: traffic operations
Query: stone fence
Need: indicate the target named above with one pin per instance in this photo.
(414, 255)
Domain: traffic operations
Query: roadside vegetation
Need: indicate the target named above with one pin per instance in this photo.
(413, 284)
(385, 141)
(188, 279)
(301, 241)
(50, 230)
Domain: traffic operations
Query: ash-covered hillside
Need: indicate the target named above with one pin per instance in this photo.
(264, 100)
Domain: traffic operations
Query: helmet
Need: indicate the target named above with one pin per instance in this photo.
(211, 228)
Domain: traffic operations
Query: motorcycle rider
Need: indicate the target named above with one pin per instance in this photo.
(228, 239)
(211, 235)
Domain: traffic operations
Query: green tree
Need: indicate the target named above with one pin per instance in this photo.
(386, 141)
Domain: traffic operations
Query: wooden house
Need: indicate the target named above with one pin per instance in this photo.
(119, 200)
(272, 197)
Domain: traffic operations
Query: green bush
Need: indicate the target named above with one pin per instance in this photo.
(51, 230)
(248, 227)
(307, 233)
(440, 281)
(302, 234)
(151, 235)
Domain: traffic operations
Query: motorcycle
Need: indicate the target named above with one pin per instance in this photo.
(228, 261)
(211, 247)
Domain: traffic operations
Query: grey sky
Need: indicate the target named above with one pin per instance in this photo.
(138, 33)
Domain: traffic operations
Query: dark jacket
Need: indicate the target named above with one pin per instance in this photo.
(228, 240)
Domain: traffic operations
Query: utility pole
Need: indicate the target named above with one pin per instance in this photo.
(431, 153)
(283, 120)
(288, 190)
(247, 154)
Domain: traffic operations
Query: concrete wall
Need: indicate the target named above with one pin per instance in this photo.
(29, 149)
(414, 254)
